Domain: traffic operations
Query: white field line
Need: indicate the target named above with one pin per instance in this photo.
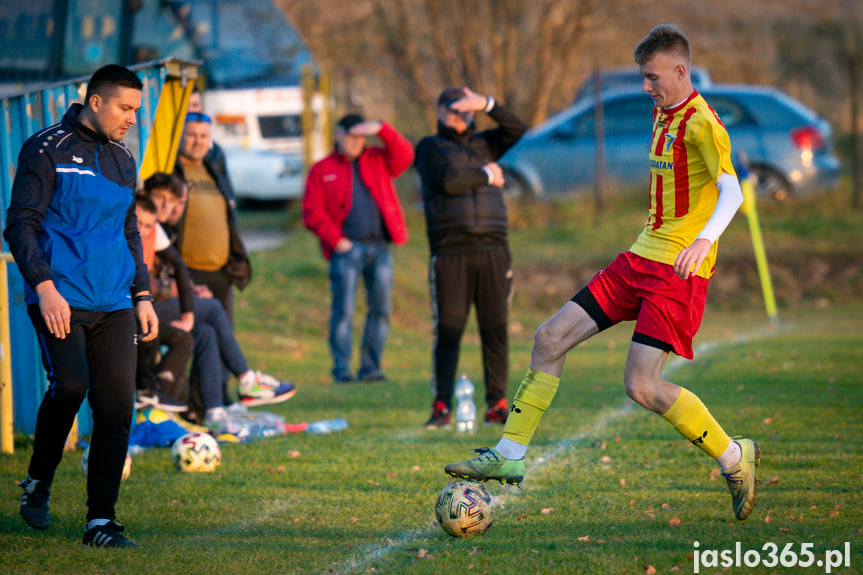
(372, 553)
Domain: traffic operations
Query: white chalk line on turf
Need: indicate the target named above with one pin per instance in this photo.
(372, 553)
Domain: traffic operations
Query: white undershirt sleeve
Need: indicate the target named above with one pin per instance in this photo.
(162, 240)
(488, 173)
(730, 198)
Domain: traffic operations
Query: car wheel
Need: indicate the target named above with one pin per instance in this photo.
(515, 188)
(771, 184)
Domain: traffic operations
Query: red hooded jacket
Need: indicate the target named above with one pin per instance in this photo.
(329, 187)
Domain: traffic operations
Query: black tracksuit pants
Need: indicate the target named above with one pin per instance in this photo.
(99, 356)
(482, 278)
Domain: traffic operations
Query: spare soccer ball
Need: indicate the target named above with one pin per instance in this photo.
(85, 460)
(196, 452)
(465, 508)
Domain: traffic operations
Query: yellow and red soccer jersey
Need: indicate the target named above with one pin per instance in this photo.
(689, 150)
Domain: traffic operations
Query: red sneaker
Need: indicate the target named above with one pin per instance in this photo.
(440, 416)
(498, 412)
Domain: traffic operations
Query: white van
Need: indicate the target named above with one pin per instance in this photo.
(260, 131)
(253, 65)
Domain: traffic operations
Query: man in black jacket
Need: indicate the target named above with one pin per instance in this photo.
(466, 221)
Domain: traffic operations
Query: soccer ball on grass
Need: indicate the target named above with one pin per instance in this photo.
(196, 452)
(85, 461)
(465, 508)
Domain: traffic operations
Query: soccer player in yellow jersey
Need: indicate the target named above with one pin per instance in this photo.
(660, 283)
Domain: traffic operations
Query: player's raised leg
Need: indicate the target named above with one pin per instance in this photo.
(505, 462)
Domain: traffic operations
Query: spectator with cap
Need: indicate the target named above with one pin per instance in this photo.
(466, 221)
(350, 203)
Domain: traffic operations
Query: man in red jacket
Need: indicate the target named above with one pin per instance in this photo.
(351, 205)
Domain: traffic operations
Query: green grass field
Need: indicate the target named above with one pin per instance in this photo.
(610, 488)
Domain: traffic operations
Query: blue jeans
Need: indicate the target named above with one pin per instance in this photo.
(216, 348)
(374, 262)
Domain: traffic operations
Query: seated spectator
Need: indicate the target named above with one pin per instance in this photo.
(160, 379)
(216, 347)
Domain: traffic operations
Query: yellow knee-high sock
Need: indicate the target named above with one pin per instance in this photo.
(692, 420)
(533, 397)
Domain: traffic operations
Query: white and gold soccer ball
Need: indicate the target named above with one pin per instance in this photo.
(196, 452)
(465, 508)
(85, 460)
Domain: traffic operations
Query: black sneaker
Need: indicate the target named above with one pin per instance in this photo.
(440, 416)
(372, 376)
(108, 535)
(34, 503)
(148, 398)
(144, 398)
(165, 402)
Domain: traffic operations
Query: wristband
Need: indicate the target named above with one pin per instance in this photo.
(142, 297)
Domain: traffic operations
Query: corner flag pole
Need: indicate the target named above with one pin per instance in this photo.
(751, 213)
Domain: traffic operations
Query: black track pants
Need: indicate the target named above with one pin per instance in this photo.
(99, 356)
(457, 281)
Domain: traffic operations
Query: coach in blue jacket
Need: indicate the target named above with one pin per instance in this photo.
(72, 228)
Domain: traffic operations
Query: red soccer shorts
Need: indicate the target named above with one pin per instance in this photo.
(667, 310)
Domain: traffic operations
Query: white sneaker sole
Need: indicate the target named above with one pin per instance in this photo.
(251, 401)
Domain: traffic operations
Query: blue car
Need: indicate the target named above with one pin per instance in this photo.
(787, 145)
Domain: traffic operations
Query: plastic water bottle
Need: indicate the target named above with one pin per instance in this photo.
(327, 426)
(465, 413)
(260, 423)
(268, 425)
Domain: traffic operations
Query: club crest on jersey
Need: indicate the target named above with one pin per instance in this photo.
(669, 141)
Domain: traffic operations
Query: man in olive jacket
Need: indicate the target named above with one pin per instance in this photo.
(209, 236)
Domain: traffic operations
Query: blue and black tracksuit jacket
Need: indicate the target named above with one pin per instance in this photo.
(72, 218)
